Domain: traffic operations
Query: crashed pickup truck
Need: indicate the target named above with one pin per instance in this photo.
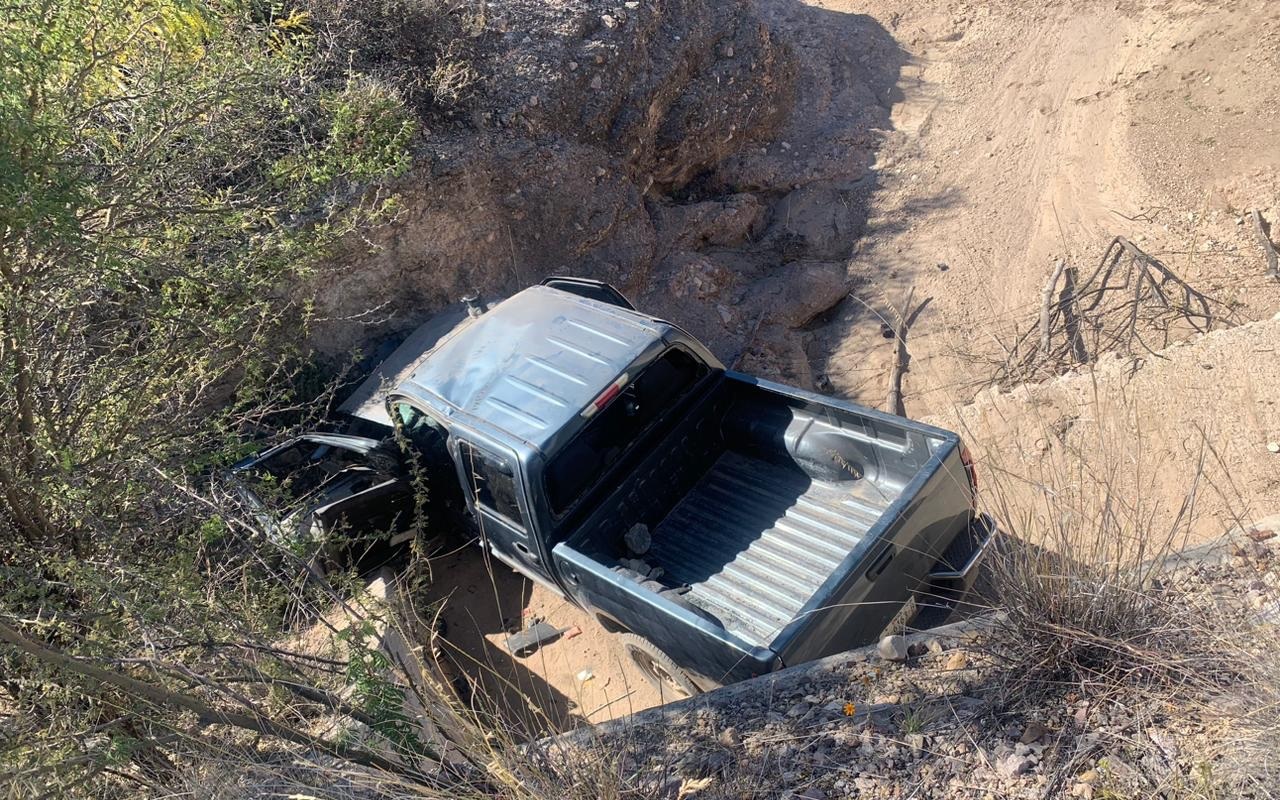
(724, 526)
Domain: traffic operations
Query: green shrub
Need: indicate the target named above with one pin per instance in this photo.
(171, 172)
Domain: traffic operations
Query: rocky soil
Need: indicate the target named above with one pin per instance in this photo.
(711, 159)
(944, 722)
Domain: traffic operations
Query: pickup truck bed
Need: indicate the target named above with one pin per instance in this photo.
(800, 526)
(782, 525)
(755, 539)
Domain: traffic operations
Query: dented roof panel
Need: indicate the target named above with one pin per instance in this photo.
(530, 365)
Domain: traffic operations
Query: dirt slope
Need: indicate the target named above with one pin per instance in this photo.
(1191, 423)
(1027, 132)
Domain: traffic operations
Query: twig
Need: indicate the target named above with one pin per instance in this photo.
(161, 695)
(1130, 295)
(893, 402)
(1071, 316)
(1046, 301)
(1273, 262)
(603, 706)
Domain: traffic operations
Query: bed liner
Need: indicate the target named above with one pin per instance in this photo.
(755, 539)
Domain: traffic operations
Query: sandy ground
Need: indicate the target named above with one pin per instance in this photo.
(486, 602)
(1141, 436)
(1024, 133)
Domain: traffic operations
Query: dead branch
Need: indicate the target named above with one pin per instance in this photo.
(905, 316)
(1046, 298)
(1260, 228)
(161, 695)
(1071, 316)
(1131, 302)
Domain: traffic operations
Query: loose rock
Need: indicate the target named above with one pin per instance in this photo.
(638, 539)
(1015, 765)
(1034, 732)
(892, 648)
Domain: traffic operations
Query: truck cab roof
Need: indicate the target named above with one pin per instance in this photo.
(531, 366)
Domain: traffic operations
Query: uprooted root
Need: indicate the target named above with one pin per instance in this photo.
(1131, 303)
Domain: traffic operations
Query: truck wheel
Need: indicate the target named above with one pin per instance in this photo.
(658, 668)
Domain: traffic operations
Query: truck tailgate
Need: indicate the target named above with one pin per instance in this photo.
(713, 655)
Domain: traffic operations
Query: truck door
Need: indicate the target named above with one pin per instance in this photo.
(493, 495)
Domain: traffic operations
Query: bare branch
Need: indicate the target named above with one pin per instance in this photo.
(1259, 228)
(162, 696)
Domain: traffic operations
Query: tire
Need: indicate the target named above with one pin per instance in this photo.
(672, 682)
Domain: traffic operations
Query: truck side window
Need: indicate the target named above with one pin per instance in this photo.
(492, 481)
(615, 429)
(425, 434)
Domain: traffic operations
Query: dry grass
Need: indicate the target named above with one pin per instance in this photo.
(1081, 605)
(1095, 603)
(422, 48)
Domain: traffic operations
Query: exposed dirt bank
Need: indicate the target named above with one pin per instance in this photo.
(1190, 423)
(712, 159)
(1031, 132)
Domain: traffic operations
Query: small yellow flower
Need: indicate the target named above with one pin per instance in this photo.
(849, 709)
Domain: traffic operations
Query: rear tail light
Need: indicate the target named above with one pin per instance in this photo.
(608, 394)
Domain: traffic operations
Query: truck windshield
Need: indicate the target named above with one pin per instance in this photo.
(613, 431)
